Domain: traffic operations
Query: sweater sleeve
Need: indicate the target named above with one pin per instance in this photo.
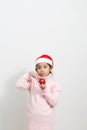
(24, 82)
(52, 94)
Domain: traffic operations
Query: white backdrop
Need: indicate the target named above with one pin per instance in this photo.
(29, 28)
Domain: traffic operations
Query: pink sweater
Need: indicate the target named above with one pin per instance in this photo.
(41, 103)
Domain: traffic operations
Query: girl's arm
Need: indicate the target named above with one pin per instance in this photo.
(24, 82)
(52, 96)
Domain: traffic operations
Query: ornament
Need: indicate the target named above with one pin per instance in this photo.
(42, 81)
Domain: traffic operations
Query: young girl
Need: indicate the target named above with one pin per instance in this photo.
(43, 94)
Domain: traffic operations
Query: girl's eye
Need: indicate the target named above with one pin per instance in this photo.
(38, 67)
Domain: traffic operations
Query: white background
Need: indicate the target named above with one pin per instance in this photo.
(29, 28)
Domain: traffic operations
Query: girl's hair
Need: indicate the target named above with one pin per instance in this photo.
(50, 67)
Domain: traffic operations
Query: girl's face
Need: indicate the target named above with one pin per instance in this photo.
(43, 69)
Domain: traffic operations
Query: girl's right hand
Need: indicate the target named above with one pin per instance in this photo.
(34, 74)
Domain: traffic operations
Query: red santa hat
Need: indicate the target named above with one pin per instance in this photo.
(44, 58)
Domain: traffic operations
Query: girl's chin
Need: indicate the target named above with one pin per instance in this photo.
(43, 75)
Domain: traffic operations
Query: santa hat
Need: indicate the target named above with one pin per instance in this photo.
(44, 58)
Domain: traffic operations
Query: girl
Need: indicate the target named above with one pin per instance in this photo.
(43, 94)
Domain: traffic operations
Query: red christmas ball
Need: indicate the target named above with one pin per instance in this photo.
(42, 81)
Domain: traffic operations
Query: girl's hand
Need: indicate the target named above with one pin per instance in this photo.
(34, 74)
(42, 83)
(42, 86)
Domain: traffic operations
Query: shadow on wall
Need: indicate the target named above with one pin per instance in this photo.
(13, 107)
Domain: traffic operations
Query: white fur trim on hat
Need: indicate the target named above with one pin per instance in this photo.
(40, 60)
